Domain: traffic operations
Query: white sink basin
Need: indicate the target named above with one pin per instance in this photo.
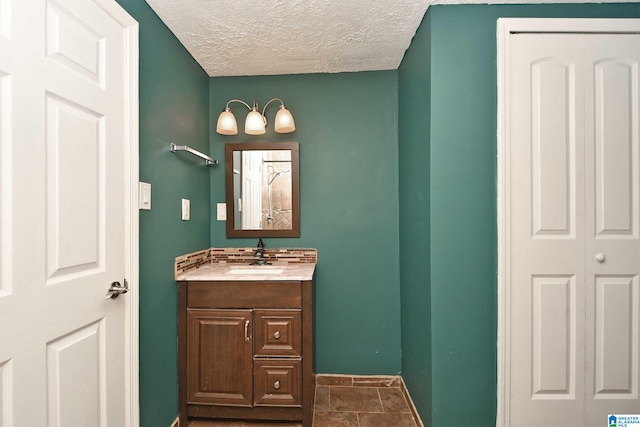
(255, 271)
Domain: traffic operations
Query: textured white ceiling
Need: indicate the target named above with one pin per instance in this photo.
(263, 37)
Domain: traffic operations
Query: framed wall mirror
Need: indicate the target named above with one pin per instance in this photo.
(262, 189)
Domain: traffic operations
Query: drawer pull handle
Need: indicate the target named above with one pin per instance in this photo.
(276, 385)
(276, 334)
(246, 331)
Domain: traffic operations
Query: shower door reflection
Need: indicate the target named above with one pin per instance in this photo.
(263, 199)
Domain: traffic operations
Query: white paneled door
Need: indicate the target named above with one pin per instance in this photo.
(574, 228)
(65, 212)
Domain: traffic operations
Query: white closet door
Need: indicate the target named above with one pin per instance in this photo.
(574, 200)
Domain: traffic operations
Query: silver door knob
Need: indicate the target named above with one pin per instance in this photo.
(116, 289)
(276, 385)
(276, 334)
(600, 257)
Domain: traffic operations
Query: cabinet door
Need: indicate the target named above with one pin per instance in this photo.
(219, 357)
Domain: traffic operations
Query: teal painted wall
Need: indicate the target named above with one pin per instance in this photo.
(459, 49)
(173, 108)
(463, 217)
(347, 130)
(414, 95)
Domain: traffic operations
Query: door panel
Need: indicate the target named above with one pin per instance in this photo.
(553, 147)
(75, 189)
(6, 85)
(616, 164)
(74, 44)
(6, 390)
(5, 177)
(6, 18)
(616, 313)
(554, 340)
(76, 378)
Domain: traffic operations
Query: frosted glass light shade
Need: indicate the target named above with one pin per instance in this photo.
(227, 124)
(254, 125)
(284, 121)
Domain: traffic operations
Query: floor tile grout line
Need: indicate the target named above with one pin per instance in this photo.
(380, 399)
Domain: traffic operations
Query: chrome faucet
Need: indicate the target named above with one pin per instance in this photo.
(258, 255)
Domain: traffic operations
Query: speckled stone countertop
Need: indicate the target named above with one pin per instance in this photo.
(244, 272)
(234, 264)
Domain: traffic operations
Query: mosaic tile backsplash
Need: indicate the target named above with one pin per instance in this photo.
(194, 260)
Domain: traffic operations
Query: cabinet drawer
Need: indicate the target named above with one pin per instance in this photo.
(278, 333)
(278, 382)
(244, 294)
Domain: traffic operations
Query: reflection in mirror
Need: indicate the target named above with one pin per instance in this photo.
(262, 190)
(263, 199)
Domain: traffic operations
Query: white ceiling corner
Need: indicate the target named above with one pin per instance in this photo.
(248, 37)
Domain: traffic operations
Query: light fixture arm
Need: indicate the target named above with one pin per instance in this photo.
(270, 101)
(240, 101)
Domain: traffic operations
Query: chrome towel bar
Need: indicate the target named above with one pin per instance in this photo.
(208, 161)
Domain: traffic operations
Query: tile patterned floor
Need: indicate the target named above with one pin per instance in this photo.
(361, 402)
(347, 401)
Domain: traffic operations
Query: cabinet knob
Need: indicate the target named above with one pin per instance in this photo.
(276, 385)
(600, 257)
(276, 334)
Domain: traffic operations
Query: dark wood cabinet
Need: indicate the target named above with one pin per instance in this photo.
(219, 366)
(245, 350)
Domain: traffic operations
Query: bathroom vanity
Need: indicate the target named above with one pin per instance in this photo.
(245, 335)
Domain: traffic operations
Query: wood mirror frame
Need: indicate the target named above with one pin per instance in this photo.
(294, 231)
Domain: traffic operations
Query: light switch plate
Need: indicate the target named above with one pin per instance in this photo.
(186, 209)
(222, 211)
(144, 193)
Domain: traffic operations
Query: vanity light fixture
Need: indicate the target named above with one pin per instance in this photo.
(255, 122)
